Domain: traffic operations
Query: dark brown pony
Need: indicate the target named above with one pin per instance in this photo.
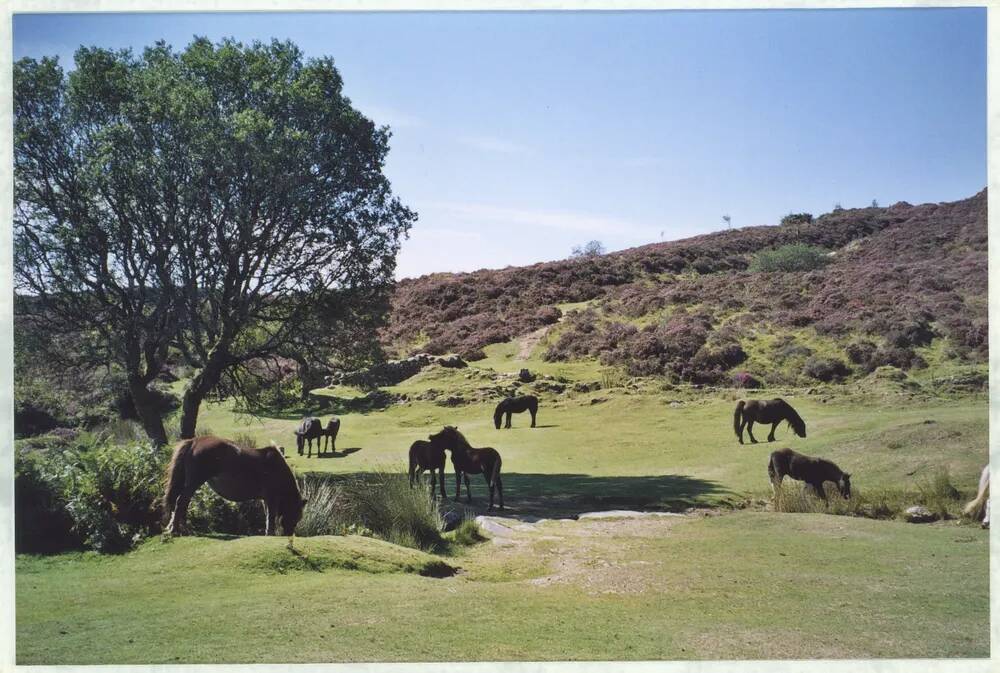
(312, 428)
(766, 411)
(426, 456)
(467, 460)
(515, 405)
(235, 474)
(330, 434)
(813, 471)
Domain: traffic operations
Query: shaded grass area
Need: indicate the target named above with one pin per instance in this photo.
(690, 588)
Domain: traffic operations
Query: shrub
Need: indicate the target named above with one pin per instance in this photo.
(793, 257)
(796, 219)
(473, 354)
(860, 352)
(745, 380)
(826, 369)
(380, 502)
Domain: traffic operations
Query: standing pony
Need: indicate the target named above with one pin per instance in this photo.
(467, 460)
(515, 405)
(329, 434)
(426, 456)
(766, 411)
(813, 471)
(980, 506)
(236, 474)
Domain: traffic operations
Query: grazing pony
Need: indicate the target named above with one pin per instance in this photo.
(515, 405)
(813, 471)
(312, 428)
(467, 460)
(426, 456)
(309, 429)
(236, 474)
(980, 506)
(766, 411)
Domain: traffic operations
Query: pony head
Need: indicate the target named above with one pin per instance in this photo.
(291, 513)
(449, 438)
(844, 485)
(796, 423)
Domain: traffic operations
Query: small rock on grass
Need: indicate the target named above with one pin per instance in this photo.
(920, 514)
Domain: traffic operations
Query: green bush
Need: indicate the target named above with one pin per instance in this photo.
(380, 503)
(793, 257)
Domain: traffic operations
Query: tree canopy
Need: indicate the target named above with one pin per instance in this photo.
(217, 202)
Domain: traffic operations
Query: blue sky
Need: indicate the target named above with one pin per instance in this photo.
(519, 135)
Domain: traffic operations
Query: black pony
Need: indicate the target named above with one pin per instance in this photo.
(515, 405)
(766, 411)
(813, 471)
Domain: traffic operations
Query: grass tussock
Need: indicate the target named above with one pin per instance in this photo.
(378, 504)
(936, 493)
(468, 534)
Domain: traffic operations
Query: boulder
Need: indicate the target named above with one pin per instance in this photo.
(452, 362)
(450, 520)
(525, 376)
(920, 514)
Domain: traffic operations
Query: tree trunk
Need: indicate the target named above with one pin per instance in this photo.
(196, 391)
(145, 406)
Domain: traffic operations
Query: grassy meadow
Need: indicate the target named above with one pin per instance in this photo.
(720, 582)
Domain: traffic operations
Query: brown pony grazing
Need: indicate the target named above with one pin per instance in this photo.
(515, 405)
(467, 460)
(766, 411)
(813, 471)
(235, 474)
(426, 456)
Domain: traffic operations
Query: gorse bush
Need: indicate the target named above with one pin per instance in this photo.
(793, 257)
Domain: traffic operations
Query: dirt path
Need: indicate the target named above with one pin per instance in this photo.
(527, 343)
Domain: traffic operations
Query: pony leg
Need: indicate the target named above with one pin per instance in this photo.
(770, 436)
(750, 432)
(500, 490)
(458, 484)
(533, 412)
(492, 487)
(468, 488)
(444, 494)
(178, 520)
(820, 492)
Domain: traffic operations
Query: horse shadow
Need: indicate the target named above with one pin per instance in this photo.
(341, 454)
(550, 425)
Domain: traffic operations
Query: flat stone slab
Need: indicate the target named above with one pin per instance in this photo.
(624, 514)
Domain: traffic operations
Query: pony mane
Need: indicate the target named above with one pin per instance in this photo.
(459, 437)
(795, 421)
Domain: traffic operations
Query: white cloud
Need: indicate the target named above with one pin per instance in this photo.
(492, 144)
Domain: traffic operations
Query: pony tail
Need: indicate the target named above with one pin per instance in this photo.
(975, 507)
(736, 417)
(174, 478)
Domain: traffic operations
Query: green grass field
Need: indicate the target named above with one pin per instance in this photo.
(736, 584)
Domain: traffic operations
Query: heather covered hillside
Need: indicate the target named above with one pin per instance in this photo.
(903, 286)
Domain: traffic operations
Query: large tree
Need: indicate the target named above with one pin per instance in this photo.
(214, 200)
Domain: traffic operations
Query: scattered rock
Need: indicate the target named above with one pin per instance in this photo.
(583, 387)
(920, 514)
(525, 376)
(450, 520)
(549, 387)
(598, 400)
(624, 514)
(452, 362)
(450, 401)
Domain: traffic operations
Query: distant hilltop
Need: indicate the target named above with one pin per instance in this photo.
(844, 293)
